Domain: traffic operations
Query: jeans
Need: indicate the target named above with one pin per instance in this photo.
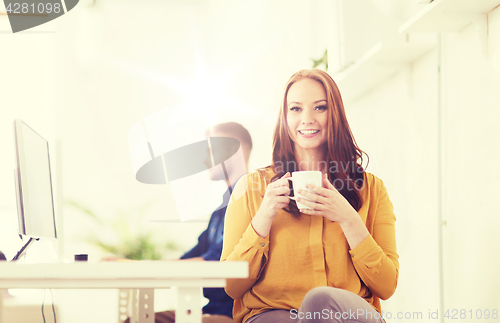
(324, 304)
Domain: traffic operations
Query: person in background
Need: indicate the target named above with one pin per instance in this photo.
(324, 263)
(220, 306)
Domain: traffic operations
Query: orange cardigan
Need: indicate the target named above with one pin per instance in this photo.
(300, 254)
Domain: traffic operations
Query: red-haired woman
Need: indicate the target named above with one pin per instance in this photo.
(333, 262)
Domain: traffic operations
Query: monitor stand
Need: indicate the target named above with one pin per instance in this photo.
(21, 252)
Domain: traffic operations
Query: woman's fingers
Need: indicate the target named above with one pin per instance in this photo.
(277, 192)
(278, 202)
(312, 205)
(282, 190)
(282, 199)
(283, 179)
(282, 182)
(281, 186)
(316, 189)
(312, 196)
(310, 212)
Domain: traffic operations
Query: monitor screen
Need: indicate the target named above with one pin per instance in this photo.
(34, 184)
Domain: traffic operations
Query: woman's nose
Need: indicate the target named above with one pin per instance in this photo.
(307, 118)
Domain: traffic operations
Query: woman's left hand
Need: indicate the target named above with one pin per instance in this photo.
(327, 202)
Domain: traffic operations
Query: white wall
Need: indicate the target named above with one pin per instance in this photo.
(471, 173)
(397, 124)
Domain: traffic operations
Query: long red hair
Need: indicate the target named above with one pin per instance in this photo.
(344, 158)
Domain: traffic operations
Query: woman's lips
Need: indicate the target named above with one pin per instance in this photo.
(308, 134)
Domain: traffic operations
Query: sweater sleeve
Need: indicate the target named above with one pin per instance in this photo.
(376, 258)
(241, 242)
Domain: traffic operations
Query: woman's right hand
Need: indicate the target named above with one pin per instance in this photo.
(275, 198)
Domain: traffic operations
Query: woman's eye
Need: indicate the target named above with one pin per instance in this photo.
(294, 109)
(321, 107)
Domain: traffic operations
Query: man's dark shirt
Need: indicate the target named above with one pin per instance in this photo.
(209, 247)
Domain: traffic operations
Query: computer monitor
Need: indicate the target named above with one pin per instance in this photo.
(33, 183)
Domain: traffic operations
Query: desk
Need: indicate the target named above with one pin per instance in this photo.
(142, 277)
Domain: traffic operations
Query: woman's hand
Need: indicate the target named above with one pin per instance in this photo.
(327, 202)
(275, 198)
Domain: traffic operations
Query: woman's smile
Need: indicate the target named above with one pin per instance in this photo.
(308, 133)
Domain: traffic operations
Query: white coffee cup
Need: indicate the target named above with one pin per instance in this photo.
(300, 179)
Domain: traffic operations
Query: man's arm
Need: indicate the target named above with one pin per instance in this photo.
(199, 249)
(209, 248)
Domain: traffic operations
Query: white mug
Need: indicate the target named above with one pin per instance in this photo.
(300, 179)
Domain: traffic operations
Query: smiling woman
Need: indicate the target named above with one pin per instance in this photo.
(335, 258)
(307, 118)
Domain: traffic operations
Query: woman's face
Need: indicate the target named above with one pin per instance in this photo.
(307, 115)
